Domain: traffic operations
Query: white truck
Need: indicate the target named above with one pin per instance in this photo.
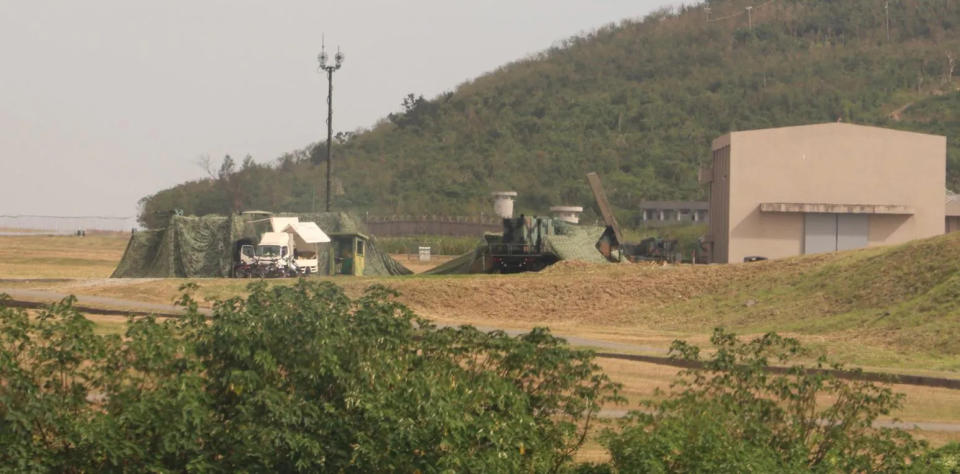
(291, 249)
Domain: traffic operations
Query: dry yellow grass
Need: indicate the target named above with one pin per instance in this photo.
(636, 304)
(42, 256)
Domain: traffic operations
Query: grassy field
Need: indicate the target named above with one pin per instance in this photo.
(885, 309)
(893, 307)
(42, 256)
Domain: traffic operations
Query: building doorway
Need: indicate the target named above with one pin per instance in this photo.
(832, 232)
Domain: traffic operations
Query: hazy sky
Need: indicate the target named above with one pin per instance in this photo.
(104, 102)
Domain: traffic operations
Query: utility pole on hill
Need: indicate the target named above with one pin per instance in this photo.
(886, 11)
(338, 61)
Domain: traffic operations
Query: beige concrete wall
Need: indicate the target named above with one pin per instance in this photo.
(832, 163)
(887, 229)
(765, 234)
(719, 226)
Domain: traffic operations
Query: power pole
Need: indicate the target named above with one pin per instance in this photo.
(886, 11)
(338, 61)
(749, 18)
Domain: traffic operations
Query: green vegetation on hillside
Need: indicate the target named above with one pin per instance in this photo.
(638, 102)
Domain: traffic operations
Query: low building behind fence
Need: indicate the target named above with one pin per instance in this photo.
(397, 226)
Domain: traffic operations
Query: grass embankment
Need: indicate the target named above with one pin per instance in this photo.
(901, 304)
(893, 307)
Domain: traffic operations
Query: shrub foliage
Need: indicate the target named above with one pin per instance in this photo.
(292, 378)
(303, 378)
(734, 415)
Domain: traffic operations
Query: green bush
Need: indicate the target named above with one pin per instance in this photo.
(736, 416)
(687, 236)
(303, 378)
(945, 460)
(290, 379)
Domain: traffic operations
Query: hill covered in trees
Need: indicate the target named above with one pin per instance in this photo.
(638, 102)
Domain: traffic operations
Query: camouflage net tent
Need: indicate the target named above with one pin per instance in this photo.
(574, 242)
(206, 246)
(470, 262)
(563, 240)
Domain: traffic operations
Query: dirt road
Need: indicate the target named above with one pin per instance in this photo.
(108, 305)
(92, 304)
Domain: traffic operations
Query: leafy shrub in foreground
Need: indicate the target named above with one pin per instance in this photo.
(736, 416)
(295, 378)
(946, 459)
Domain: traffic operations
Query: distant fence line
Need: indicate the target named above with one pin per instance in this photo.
(404, 225)
(67, 224)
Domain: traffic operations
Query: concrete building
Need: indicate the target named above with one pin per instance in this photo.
(819, 188)
(672, 212)
(952, 214)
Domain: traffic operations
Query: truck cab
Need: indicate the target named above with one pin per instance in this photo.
(275, 247)
(274, 254)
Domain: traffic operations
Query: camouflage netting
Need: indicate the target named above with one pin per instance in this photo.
(566, 241)
(574, 242)
(204, 246)
(187, 247)
(470, 262)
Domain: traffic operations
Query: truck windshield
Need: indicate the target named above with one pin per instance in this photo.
(268, 251)
(247, 251)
